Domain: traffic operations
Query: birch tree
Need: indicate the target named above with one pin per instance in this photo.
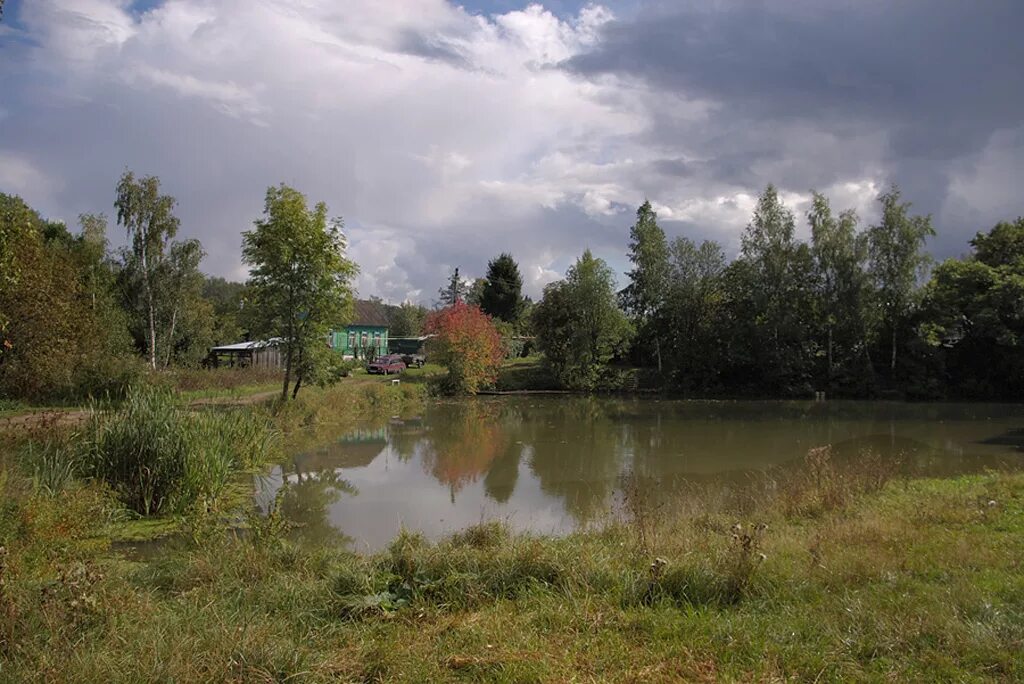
(897, 261)
(148, 217)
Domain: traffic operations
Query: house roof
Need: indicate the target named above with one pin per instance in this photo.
(248, 346)
(369, 313)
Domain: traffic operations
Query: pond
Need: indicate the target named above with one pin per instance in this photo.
(555, 464)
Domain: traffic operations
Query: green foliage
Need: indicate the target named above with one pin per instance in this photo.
(694, 312)
(148, 217)
(973, 311)
(406, 320)
(226, 298)
(770, 290)
(579, 326)
(157, 456)
(843, 310)
(644, 299)
(64, 336)
(897, 262)
(502, 291)
(1001, 246)
(299, 279)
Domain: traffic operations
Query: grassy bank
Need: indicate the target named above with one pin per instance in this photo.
(829, 574)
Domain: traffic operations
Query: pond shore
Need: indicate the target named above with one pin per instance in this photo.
(833, 573)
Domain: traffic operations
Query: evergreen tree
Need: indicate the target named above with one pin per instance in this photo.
(454, 292)
(502, 295)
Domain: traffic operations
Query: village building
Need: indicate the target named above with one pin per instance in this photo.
(366, 337)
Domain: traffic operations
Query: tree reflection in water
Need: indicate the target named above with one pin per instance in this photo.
(556, 464)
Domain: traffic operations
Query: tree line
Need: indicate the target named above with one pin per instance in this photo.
(853, 312)
(80, 319)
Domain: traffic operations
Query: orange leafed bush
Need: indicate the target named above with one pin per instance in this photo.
(466, 343)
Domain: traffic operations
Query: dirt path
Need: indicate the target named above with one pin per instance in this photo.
(63, 417)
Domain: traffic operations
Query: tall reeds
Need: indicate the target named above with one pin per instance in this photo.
(158, 456)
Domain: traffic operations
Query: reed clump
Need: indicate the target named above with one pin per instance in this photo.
(158, 456)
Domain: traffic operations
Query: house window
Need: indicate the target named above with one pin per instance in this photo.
(351, 340)
(376, 341)
(365, 338)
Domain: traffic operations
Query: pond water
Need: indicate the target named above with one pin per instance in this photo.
(554, 464)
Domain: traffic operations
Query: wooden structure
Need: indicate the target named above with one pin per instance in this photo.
(255, 354)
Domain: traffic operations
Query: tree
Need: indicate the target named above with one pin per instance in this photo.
(65, 337)
(299, 278)
(17, 221)
(897, 262)
(840, 256)
(1001, 246)
(502, 295)
(578, 324)
(227, 299)
(148, 218)
(455, 291)
(771, 284)
(693, 308)
(465, 342)
(475, 293)
(186, 317)
(973, 310)
(406, 320)
(644, 297)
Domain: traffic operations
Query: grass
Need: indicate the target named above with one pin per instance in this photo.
(829, 573)
(527, 373)
(832, 571)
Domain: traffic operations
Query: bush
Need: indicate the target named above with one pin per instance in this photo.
(466, 342)
(157, 456)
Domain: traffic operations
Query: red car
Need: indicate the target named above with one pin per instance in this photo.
(385, 365)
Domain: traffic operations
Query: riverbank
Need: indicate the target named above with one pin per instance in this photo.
(833, 573)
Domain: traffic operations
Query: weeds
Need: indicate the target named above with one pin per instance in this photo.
(643, 511)
(490, 604)
(824, 485)
(51, 465)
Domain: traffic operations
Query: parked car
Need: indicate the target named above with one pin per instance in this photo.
(385, 365)
(411, 360)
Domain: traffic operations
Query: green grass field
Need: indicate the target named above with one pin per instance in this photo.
(917, 581)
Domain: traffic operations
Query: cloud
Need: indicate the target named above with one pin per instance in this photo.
(445, 136)
(809, 94)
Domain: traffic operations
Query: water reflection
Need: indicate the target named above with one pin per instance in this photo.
(554, 464)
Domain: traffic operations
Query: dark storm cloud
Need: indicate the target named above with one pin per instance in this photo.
(935, 77)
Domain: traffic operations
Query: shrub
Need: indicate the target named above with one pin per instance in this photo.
(466, 342)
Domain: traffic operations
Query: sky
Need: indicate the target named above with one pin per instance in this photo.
(445, 134)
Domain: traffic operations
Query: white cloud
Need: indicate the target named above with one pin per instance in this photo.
(442, 136)
(19, 176)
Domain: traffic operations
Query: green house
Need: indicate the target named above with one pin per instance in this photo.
(366, 337)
